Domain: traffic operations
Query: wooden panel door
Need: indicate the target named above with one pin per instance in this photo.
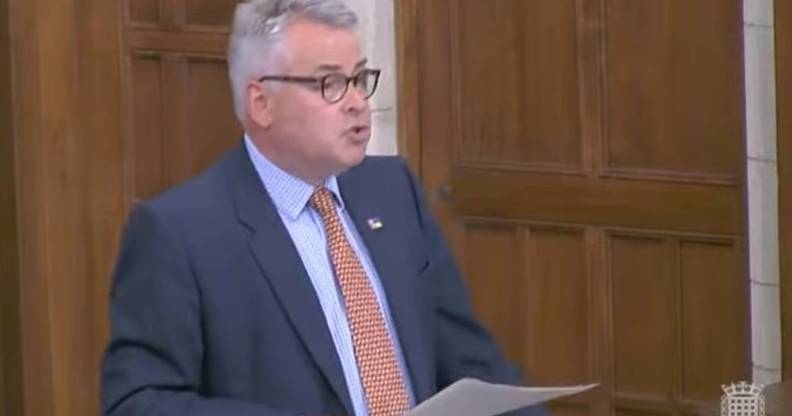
(586, 159)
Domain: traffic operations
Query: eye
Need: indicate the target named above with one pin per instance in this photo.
(335, 81)
(363, 79)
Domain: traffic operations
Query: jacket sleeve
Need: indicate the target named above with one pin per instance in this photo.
(152, 365)
(464, 347)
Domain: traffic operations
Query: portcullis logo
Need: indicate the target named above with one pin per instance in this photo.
(742, 399)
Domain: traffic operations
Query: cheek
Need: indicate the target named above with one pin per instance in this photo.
(317, 131)
(325, 122)
(309, 119)
(298, 104)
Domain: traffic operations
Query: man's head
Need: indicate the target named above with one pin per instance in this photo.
(279, 54)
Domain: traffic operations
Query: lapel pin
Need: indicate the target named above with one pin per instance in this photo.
(374, 223)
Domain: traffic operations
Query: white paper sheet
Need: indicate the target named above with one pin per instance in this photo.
(471, 397)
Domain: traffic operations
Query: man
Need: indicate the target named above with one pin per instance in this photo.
(295, 276)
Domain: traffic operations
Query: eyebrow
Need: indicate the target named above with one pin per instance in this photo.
(338, 68)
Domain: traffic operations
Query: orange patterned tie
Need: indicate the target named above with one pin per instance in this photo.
(385, 391)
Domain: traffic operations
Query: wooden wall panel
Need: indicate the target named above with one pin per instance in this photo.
(679, 319)
(500, 245)
(533, 275)
(181, 118)
(176, 153)
(214, 13)
(527, 106)
(643, 295)
(714, 318)
(145, 12)
(555, 284)
(212, 127)
(672, 89)
(145, 124)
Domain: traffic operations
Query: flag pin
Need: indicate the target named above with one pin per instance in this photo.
(374, 223)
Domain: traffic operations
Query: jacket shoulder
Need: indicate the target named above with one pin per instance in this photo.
(379, 171)
(200, 198)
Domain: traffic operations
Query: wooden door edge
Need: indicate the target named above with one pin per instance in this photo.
(783, 26)
(406, 22)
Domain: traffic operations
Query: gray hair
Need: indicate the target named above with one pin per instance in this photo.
(258, 29)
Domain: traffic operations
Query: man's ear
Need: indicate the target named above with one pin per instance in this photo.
(259, 104)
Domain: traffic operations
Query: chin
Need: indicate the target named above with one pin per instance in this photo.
(351, 160)
(358, 159)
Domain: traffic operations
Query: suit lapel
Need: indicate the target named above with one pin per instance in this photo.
(282, 267)
(397, 276)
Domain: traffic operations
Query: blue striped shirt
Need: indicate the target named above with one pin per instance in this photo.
(290, 196)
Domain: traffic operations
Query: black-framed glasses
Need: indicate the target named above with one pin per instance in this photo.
(335, 86)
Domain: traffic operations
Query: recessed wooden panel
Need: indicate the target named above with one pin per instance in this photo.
(674, 88)
(518, 101)
(642, 316)
(211, 126)
(494, 283)
(714, 318)
(143, 11)
(556, 285)
(145, 133)
(210, 12)
(181, 119)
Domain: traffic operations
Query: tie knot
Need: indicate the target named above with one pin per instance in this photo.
(322, 201)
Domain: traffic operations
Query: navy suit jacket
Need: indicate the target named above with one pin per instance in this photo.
(212, 311)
